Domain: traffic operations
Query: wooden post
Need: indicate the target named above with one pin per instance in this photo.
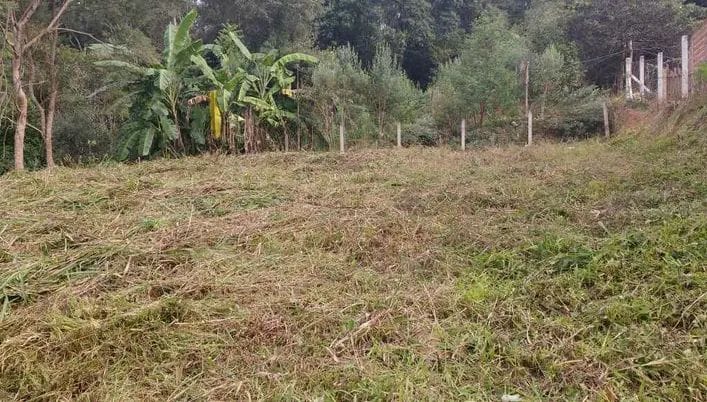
(661, 78)
(607, 128)
(685, 68)
(287, 141)
(342, 143)
(463, 134)
(530, 128)
(629, 74)
(400, 136)
(642, 75)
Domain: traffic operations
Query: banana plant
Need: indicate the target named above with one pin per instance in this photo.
(225, 80)
(247, 84)
(157, 92)
(267, 77)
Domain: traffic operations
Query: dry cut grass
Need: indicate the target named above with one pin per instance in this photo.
(560, 272)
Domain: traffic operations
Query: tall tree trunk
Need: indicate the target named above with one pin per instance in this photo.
(53, 96)
(47, 106)
(22, 105)
(49, 129)
(35, 100)
(20, 45)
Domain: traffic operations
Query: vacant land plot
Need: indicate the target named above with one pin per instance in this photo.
(556, 272)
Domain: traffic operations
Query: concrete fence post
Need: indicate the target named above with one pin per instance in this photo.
(530, 128)
(661, 78)
(685, 67)
(342, 140)
(463, 135)
(400, 136)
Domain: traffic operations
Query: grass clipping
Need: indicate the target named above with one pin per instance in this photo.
(555, 272)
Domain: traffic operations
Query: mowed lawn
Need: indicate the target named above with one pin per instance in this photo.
(557, 272)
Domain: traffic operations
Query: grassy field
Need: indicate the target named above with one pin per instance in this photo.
(559, 272)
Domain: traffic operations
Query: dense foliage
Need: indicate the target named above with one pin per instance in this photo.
(240, 75)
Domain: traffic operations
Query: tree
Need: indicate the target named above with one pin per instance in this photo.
(547, 74)
(223, 82)
(484, 79)
(514, 9)
(602, 30)
(47, 106)
(90, 20)
(155, 124)
(267, 77)
(5, 7)
(391, 93)
(20, 43)
(415, 26)
(357, 23)
(250, 83)
(547, 23)
(245, 82)
(338, 92)
(450, 29)
(266, 23)
(405, 26)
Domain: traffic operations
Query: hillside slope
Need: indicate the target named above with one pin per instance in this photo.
(555, 272)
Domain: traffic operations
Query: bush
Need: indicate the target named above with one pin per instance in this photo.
(576, 114)
(422, 131)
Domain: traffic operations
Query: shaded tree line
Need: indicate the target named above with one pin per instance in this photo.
(76, 76)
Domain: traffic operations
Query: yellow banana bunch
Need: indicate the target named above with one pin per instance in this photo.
(216, 118)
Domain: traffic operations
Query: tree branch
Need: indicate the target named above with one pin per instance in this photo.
(52, 25)
(81, 33)
(28, 13)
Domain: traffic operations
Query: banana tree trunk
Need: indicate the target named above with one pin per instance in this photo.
(179, 141)
(249, 132)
